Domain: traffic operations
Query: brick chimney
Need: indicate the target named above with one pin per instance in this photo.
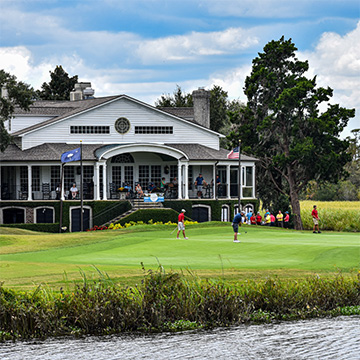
(201, 99)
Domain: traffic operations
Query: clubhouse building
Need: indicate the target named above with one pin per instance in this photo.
(124, 142)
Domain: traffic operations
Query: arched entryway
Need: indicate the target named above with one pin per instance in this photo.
(44, 215)
(13, 215)
(201, 213)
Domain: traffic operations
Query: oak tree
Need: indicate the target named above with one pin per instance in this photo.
(284, 127)
(13, 93)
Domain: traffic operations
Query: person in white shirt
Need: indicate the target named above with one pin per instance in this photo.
(74, 191)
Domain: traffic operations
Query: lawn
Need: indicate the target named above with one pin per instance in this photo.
(28, 259)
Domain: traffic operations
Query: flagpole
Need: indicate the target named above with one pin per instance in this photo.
(81, 191)
(240, 177)
(61, 197)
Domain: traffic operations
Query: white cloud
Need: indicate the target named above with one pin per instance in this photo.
(18, 61)
(232, 81)
(336, 62)
(196, 45)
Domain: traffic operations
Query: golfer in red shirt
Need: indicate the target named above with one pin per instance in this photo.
(316, 219)
(181, 225)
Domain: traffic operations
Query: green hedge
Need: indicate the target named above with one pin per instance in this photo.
(102, 211)
(105, 211)
(156, 215)
(215, 206)
(49, 228)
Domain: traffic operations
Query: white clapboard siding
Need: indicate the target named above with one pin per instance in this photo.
(20, 122)
(137, 114)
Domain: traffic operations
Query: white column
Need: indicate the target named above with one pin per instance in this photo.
(253, 182)
(104, 181)
(214, 181)
(97, 181)
(62, 169)
(186, 176)
(179, 181)
(228, 181)
(242, 180)
(29, 182)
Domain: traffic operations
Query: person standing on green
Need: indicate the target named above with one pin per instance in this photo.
(181, 225)
(238, 218)
(316, 219)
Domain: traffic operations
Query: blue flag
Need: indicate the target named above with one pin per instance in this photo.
(72, 155)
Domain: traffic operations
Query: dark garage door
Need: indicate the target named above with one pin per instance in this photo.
(44, 216)
(75, 219)
(13, 216)
(200, 214)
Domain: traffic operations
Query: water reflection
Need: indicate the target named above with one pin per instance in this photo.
(337, 338)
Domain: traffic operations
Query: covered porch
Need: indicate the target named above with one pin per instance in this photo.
(113, 171)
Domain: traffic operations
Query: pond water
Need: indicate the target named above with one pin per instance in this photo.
(335, 338)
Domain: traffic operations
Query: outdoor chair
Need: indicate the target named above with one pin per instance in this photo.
(46, 193)
(114, 194)
(208, 191)
(23, 193)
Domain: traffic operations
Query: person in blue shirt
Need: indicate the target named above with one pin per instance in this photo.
(218, 185)
(151, 187)
(248, 216)
(199, 182)
(235, 224)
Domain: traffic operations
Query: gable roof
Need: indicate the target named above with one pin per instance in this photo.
(62, 109)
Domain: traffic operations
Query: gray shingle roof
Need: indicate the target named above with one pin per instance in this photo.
(53, 151)
(183, 112)
(201, 152)
(46, 152)
(60, 109)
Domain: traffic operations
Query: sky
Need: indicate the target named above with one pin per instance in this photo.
(144, 48)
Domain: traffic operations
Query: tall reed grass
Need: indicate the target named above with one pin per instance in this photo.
(334, 215)
(170, 301)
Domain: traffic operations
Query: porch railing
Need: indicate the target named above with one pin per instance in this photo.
(20, 192)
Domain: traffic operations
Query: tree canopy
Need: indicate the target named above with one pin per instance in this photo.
(59, 87)
(218, 104)
(14, 93)
(282, 126)
(177, 99)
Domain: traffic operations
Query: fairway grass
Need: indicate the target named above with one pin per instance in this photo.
(29, 259)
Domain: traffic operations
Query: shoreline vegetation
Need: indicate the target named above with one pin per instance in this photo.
(171, 302)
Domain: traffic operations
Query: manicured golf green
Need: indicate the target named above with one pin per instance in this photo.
(28, 259)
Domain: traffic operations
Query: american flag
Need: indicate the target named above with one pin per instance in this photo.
(233, 154)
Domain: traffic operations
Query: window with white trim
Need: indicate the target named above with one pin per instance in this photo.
(144, 176)
(153, 130)
(35, 175)
(55, 177)
(89, 129)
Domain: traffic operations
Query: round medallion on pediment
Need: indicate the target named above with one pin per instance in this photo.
(122, 125)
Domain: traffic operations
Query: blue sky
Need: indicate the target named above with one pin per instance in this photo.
(144, 48)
